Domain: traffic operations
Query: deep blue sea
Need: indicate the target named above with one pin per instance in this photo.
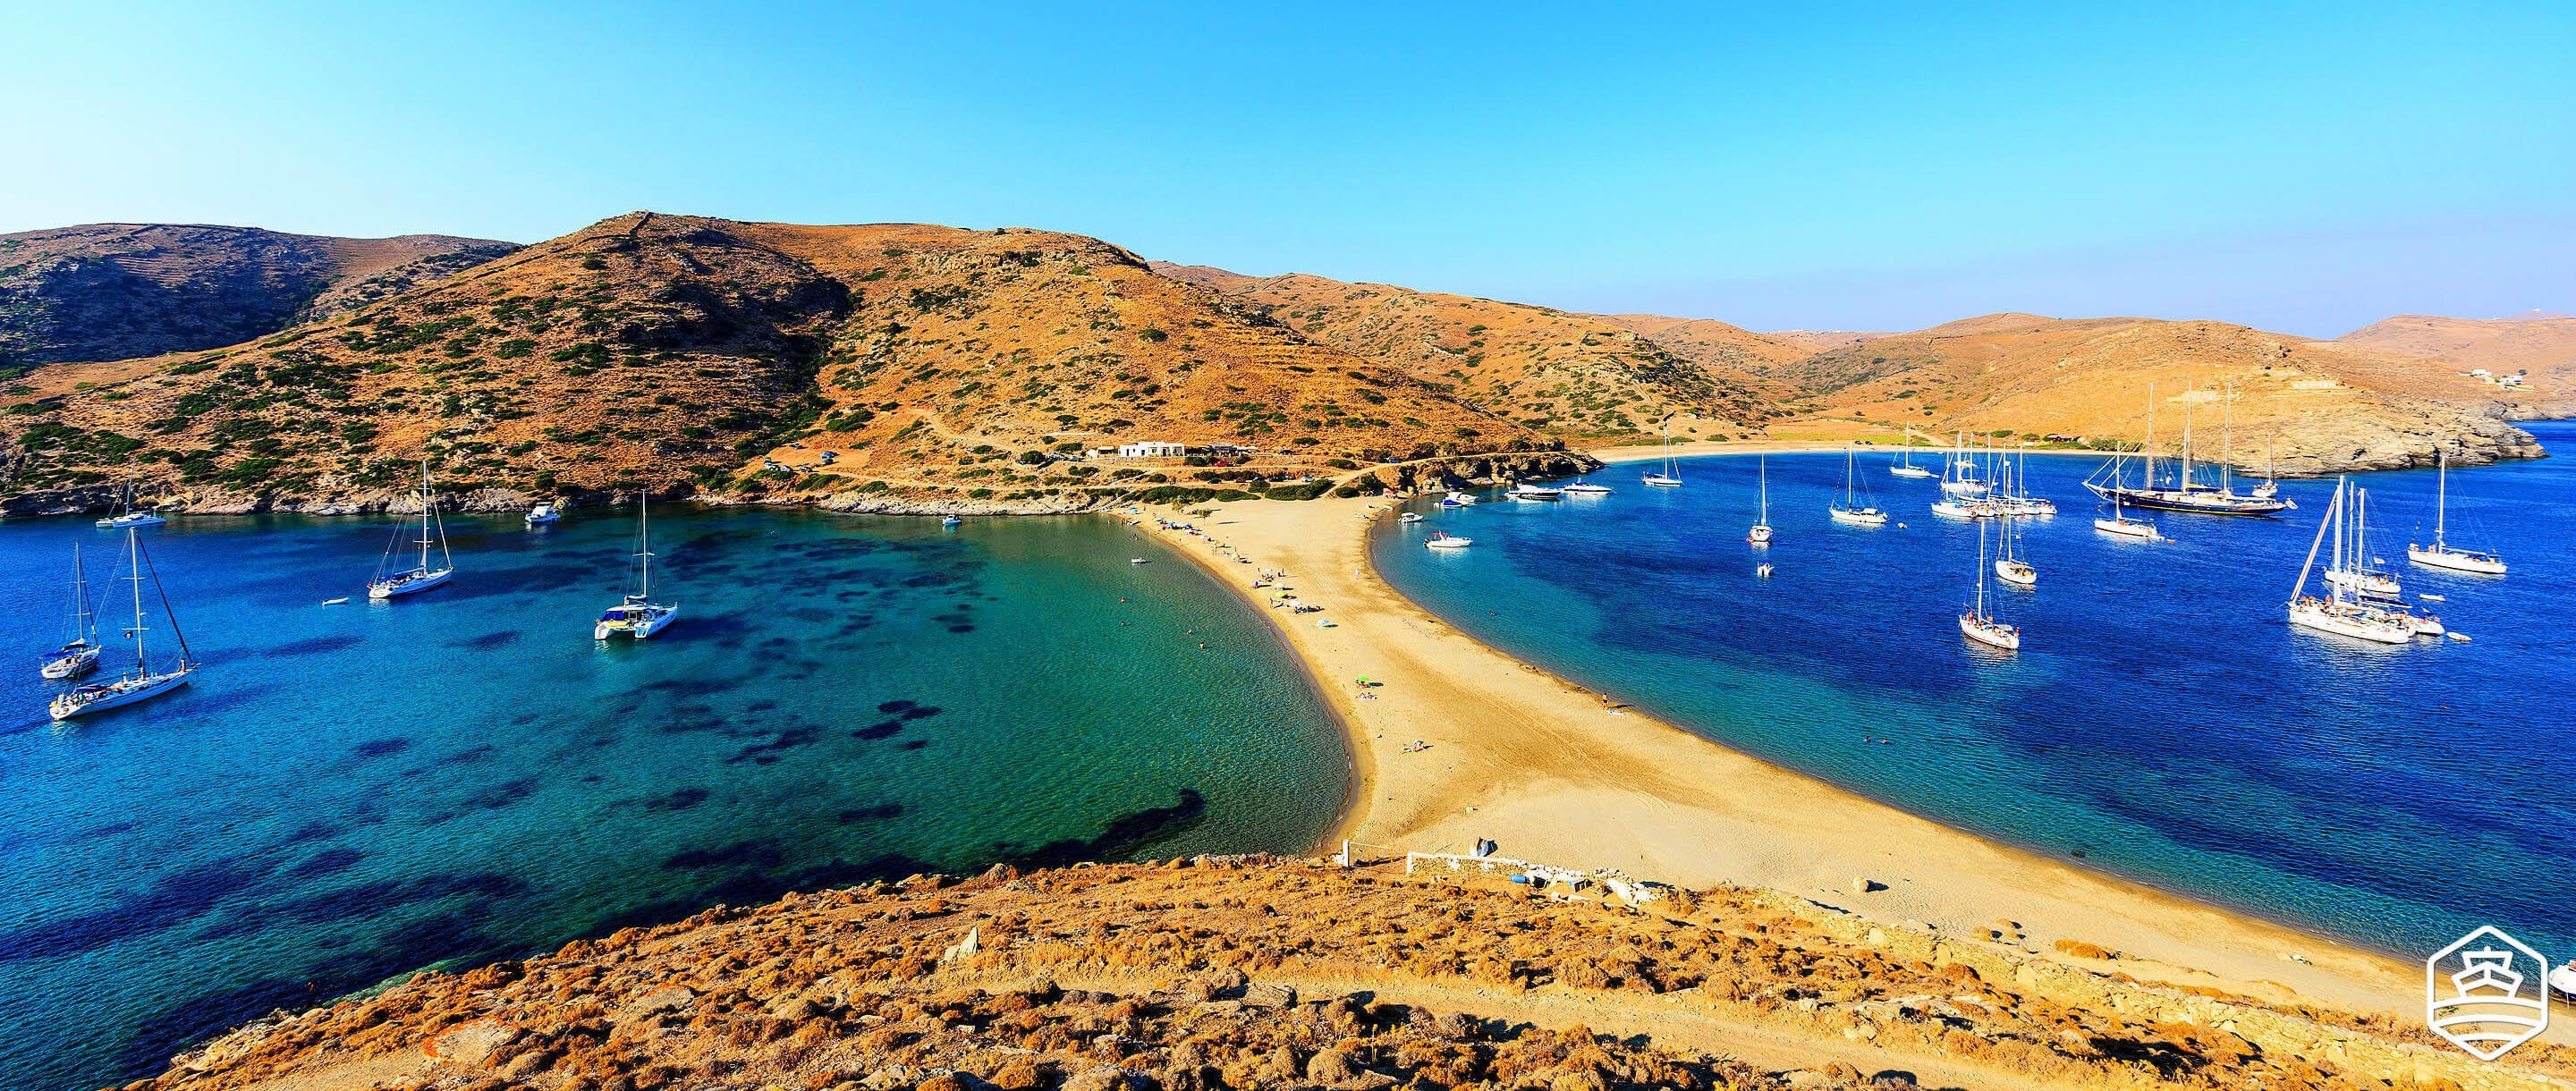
(350, 792)
(2161, 719)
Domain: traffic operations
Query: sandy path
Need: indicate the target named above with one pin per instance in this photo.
(1542, 767)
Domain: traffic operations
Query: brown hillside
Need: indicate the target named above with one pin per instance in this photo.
(1258, 974)
(1827, 340)
(1714, 344)
(674, 353)
(114, 291)
(2541, 346)
(2316, 406)
(1570, 374)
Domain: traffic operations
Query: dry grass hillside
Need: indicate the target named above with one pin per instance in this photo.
(939, 366)
(1577, 375)
(114, 291)
(2313, 406)
(2540, 347)
(1250, 973)
(1827, 340)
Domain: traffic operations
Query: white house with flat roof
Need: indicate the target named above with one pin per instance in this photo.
(1152, 449)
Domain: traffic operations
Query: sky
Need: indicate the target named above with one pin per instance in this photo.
(2303, 168)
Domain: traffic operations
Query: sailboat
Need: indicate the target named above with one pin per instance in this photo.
(2122, 525)
(1849, 512)
(1668, 477)
(1978, 625)
(2187, 493)
(79, 655)
(639, 616)
(141, 684)
(2010, 568)
(1960, 478)
(1761, 532)
(2364, 577)
(126, 517)
(420, 576)
(2440, 554)
(1905, 467)
(2341, 611)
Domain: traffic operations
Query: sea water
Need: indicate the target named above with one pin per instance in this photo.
(349, 792)
(2161, 720)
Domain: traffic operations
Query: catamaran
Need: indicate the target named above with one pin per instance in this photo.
(141, 684)
(79, 655)
(1761, 532)
(1960, 477)
(420, 576)
(126, 518)
(639, 616)
(1856, 514)
(1978, 625)
(2188, 492)
(2440, 554)
(2341, 611)
(1669, 477)
(2010, 567)
(1905, 467)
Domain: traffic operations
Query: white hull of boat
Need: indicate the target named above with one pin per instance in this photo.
(654, 621)
(2367, 583)
(543, 514)
(1409, 517)
(1909, 471)
(2129, 528)
(1536, 492)
(122, 522)
(2371, 625)
(1860, 517)
(1758, 535)
(71, 663)
(2455, 560)
(89, 699)
(1586, 488)
(2016, 573)
(1963, 488)
(1448, 543)
(1990, 633)
(391, 588)
(1952, 509)
(1661, 482)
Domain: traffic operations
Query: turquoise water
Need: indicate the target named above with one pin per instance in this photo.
(349, 792)
(2161, 722)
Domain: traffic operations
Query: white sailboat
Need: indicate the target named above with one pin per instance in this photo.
(126, 518)
(2361, 573)
(1960, 478)
(1905, 466)
(1978, 625)
(2122, 525)
(2340, 611)
(1761, 532)
(420, 576)
(1669, 477)
(638, 616)
(2009, 566)
(141, 684)
(2440, 554)
(1859, 515)
(79, 655)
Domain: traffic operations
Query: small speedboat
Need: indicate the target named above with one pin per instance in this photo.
(543, 514)
(1138, 560)
(1586, 488)
(1442, 540)
(1526, 491)
(1409, 517)
(2459, 637)
(1457, 500)
(1763, 570)
(952, 521)
(2431, 597)
(341, 601)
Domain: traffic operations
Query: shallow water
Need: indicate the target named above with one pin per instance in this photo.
(349, 792)
(2161, 722)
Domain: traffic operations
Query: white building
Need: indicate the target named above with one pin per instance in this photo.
(1151, 449)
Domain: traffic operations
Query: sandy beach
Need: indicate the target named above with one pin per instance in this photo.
(1553, 774)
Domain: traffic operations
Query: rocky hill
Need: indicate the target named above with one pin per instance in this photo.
(2537, 345)
(1251, 973)
(2308, 406)
(937, 367)
(1578, 375)
(114, 291)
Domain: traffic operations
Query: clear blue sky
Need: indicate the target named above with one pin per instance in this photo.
(2307, 169)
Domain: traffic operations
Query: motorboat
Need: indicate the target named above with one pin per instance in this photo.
(543, 514)
(1441, 540)
(1458, 500)
(1526, 491)
(1586, 488)
(1409, 517)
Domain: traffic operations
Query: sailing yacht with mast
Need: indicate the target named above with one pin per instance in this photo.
(1960, 478)
(1978, 625)
(2341, 611)
(2123, 525)
(638, 616)
(1669, 477)
(1761, 532)
(1906, 467)
(2440, 554)
(2009, 566)
(2187, 493)
(420, 576)
(1856, 514)
(79, 655)
(126, 517)
(142, 684)
(2362, 573)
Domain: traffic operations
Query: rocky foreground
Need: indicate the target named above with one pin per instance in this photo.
(1274, 974)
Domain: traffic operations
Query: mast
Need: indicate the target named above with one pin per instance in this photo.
(1981, 573)
(134, 559)
(644, 539)
(1763, 462)
(84, 622)
(2227, 442)
(424, 515)
(2319, 541)
(2185, 482)
(2441, 502)
(2150, 449)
